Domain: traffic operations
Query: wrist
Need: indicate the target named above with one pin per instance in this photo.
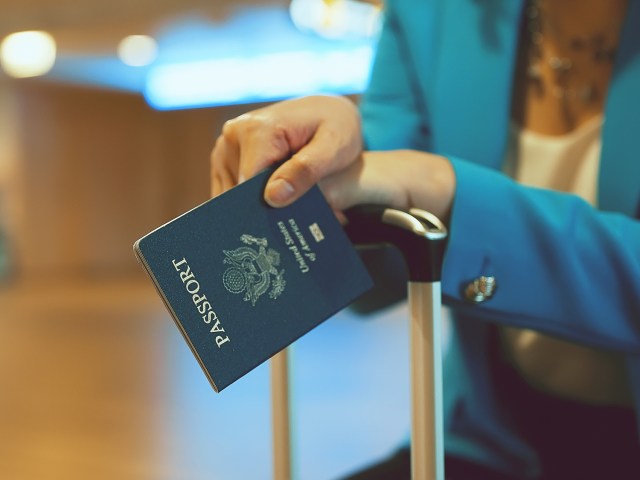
(431, 184)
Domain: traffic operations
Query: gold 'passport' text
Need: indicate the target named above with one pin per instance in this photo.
(202, 304)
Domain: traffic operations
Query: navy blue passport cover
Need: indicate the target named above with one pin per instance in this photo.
(243, 280)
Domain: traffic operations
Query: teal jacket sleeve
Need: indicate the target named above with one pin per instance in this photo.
(561, 266)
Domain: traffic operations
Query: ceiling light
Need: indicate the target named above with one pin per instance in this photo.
(137, 50)
(336, 18)
(27, 54)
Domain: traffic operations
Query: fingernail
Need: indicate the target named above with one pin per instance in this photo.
(278, 192)
(241, 178)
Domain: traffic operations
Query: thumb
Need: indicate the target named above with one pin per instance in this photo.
(308, 166)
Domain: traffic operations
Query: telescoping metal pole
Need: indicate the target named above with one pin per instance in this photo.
(421, 238)
(426, 357)
(280, 416)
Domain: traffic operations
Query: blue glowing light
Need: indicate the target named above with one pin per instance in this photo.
(265, 77)
(255, 55)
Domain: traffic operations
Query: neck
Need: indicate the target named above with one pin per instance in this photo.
(580, 18)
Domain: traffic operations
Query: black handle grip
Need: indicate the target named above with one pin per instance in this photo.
(419, 235)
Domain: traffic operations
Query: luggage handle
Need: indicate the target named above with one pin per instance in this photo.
(421, 238)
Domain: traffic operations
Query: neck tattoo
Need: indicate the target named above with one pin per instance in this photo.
(568, 58)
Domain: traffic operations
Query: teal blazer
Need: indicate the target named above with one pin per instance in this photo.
(442, 82)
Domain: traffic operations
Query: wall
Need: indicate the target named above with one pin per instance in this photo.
(97, 170)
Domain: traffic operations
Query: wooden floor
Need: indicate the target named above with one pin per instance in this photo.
(97, 383)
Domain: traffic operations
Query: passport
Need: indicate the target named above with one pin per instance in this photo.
(243, 280)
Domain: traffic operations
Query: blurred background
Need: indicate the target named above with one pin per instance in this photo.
(108, 112)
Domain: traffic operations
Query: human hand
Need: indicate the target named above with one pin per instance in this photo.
(400, 179)
(319, 135)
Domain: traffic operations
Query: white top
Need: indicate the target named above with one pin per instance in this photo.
(568, 163)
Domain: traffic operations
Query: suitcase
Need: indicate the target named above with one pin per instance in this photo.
(421, 239)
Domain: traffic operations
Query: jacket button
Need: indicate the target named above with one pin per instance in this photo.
(480, 289)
